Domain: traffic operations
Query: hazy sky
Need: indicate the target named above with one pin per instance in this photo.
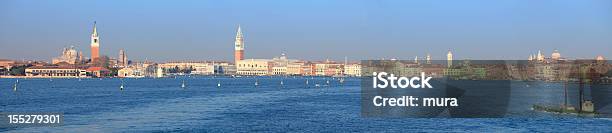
(308, 29)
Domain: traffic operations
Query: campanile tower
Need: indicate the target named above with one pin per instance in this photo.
(449, 58)
(238, 47)
(95, 43)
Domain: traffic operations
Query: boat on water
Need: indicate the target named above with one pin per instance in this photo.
(15, 86)
(121, 87)
(183, 84)
(586, 106)
(561, 109)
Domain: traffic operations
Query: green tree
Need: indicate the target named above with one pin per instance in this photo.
(18, 70)
(188, 70)
(113, 71)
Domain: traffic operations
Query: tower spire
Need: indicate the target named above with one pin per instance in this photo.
(239, 32)
(95, 31)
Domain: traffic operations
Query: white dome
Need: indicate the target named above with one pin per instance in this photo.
(556, 55)
(600, 58)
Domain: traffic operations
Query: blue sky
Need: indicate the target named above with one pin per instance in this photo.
(308, 29)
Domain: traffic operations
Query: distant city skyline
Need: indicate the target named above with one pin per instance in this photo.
(309, 30)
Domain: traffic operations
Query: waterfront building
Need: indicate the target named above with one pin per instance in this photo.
(199, 67)
(465, 73)
(299, 68)
(228, 69)
(149, 68)
(125, 72)
(466, 70)
(279, 70)
(396, 67)
(295, 69)
(131, 72)
(95, 43)
(6, 64)
(224, 68)
(549, 71)
(69, 55)
(136, 70)
(285, 66)
(410, 70)
(159, 72)
(238, 46)
(55, 72)
(449, 59)
(276, 66)
(204, 69)
(254, 67)
(182, 65)
(435, 70)
(335, 70)
(328, 68)
(4, 71)
(352, 69)
(320, 69)
(97, 72)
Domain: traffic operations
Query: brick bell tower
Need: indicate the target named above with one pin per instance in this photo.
(95, 43)
(238, 47)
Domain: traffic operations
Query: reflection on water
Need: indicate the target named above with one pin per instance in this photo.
(148, 104)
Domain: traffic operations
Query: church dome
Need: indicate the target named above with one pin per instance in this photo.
(600, 58)
(556, 55)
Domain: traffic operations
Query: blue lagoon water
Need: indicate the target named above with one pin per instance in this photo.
(161, 105)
